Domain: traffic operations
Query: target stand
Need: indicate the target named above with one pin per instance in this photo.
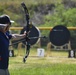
(31, 39)
(59, 36)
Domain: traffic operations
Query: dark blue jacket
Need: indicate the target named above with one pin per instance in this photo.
(4, 50)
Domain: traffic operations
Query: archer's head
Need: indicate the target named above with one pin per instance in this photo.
(5, 23)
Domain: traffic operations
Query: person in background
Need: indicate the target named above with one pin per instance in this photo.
(5, 37)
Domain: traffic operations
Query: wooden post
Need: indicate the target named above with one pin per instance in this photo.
(48, 49)
(19, 49)
(69, 46)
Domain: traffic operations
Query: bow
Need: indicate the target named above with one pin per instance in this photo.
(27, 31)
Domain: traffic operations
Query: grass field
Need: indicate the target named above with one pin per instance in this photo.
(57, 64)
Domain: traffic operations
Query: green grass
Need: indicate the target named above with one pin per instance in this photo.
(57, 64)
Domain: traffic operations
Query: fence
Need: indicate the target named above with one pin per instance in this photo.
(41, 28)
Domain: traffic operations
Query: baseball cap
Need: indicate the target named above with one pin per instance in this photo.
(5, 19)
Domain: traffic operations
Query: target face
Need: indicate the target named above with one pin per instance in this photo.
(34, 32)
(59, 35)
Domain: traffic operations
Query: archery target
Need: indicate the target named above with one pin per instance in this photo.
(34, 33)
(59, 35)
